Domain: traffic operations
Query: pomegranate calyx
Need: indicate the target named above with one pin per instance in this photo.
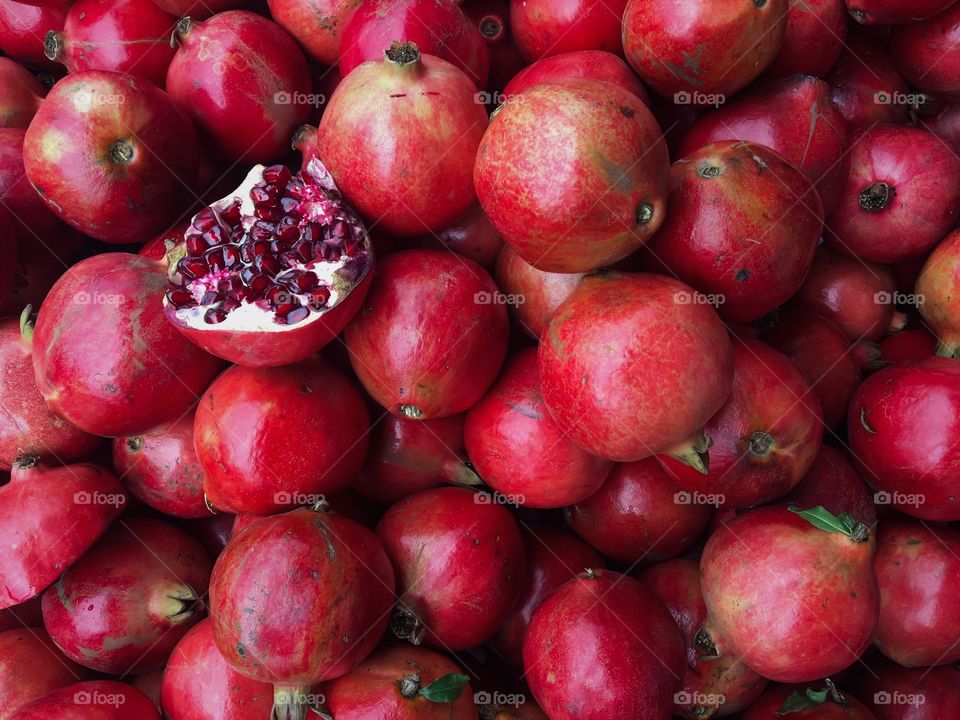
(406, 625)
(295, 702)
(694, 451)
(178, 604)
(53, 45)
(760, 444)
(410, 686)
(461, 472)
(876, 197)
(948, 349)
(823, 519)
(180, 30)
(492, 28)
(410, 411)
(403, 54)
(121, 152)
(705, 645)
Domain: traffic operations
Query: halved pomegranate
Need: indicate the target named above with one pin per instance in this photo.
(271, 273)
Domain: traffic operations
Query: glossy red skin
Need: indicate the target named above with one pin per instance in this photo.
(748, 234)
(406, 456)
(22, 28)
(795, 603)
(926, 52)
(542, 292)
(460, 563)
(864, 70)
(108, 700)
(911, 411)
(882, 12)
(845, 290)
(37, 504)
(213, 531)
(372, 689)
(603, 647)
(198, 684)
(233, 101)
(813, 39)
(769, 704)
(317, 25)
(48, 669)
(907, 346)
(492, 18)
(677, 583)
(715, 48)
(938, 686)
(26, 614)
(579, 64)
(937, 285)
(542, 28)
(822, 353)
(252, 463)
(438, 27)
(926, 181)
(161, 469)
(543, 174)
(518, 448)
(793, 117)
(198, 9)
(422, 345)
(946, 124)
(320, 578)
(554, 556)
(113, 201)
(112, 611)
(130, 36)
(472, 236)
(106, 359)
(22, 95)
(27, 426)
(834, 482)
(34, 277)
(634, 402)
(635, 517)
(427, 107)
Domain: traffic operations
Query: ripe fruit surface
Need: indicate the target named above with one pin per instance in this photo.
(91, 700)
(31, 648)
(813, 39)
(584, 64)
(541, 28)
(937, 285)
(22, 95)
(317, 25)
(538, 294)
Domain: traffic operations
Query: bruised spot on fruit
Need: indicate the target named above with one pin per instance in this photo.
(241, 651)
(121, 152)
(708, 170)
(627, 112)
(914, 541)
(742, 275)
(761, 443)
(135, 443)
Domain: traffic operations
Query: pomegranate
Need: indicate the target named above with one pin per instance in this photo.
(22, 28)
(834, 483)
(907, 346)
(711, 687)
(492, 19)
(639, 515)
(317, 25)
(700, 52)
(250, 101)
(926, 52)
(84, 499)
(554, 556)
(519, 450)
(437, 27)
(866, 86)
(198, 684)
(813, 39)
(542, 28)
(946, 124)
(472, 236)
(105, 358)
(580, 64)
(402, 683)
(544, 168)
(821, 701)
(794, 118)
(91, 700)
(824, 594)
(198, 9)
(161, 469)
(631, 367)
(129, 36)
(423, 104)
(123, 606)
(431, 336)
(48, 668)
(822, 353)
(881, 12)
(251, 461)
(603, 631)
(22, 95)
(410, 455)
(900, 427)
(898, 693)
(542, 292)
(300, 598)
(460, 561)
(936, 286)
(213, 531)
(27, 426)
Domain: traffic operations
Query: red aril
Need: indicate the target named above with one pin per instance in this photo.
(22, 28)
(460, 562)
(940, 304)
(49, 669)
(834, 483)
(446, 308)
(92, 700)
(813, 40)
(422, 104)
(472, 236)
(542, 28)
(543, 174)
(317, 25)
(579, 64)
(920, 693)
(817, 701)
(866, 86)
(537, 294)
(884, 12)
(21, 95)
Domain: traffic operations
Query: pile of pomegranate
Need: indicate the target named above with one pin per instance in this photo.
(479, 359)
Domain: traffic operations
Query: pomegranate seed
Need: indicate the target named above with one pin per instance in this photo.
(313, 232)
(180, 298)
(326, 252)
(205, 220)
(296, 315)
(264, 195)
(289, 205)
(231, 214)
(214, 259)
(301, 282)
(259, 284)
(267, 264)
(229, 305)
(195, 244)
(210, 297)
(224, 286)
(288, 259)
(277, 175)
(288, 231)
(268, 212)
(214, 316)
(320, 297)
(192, 267)
(261, 231)
(304, 251)
(231, 255)
(246, 253)
(350, 247)
(214, 236)
(295, 188)
(276, 295)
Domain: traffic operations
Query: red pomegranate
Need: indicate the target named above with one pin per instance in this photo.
(21, 95)
(813, 39)
(820, 701)
(794, 118)
(447, 309)
(937, 285)
(317, 25)
(882, 12)
(105, 358)
(422, 104)
(27, 426)
(900, 424)
(437, 27)
(9, 252)
(472, 236)
(574, 176)
(34, 276)
(554, 556)
(130, 160)
(198, 9)
(945, 124)
(410, 455)
(402, 683)
(460, 562)
(711, 687)
(22, 28)
(834, 483)
(537, 294)
(603, 630)
(630, 367)
(123, 606)
(542, 28)
(252, 463)
(129, 36)
(299, 598)
(49, 669)
(693, 50)
(579, 64)
(91, 700)
(866, 86)
(519, 450)
(898, 693)
(815, 569)
(248, 102)
(907, 346)
(926, 52)
(492, 19)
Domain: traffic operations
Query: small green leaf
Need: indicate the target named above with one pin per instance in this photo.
(799, 701)
(825, 520)
(445, 688)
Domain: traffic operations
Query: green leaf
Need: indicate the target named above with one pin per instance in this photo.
(799, 701)
(445, 688)
(823, 519)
